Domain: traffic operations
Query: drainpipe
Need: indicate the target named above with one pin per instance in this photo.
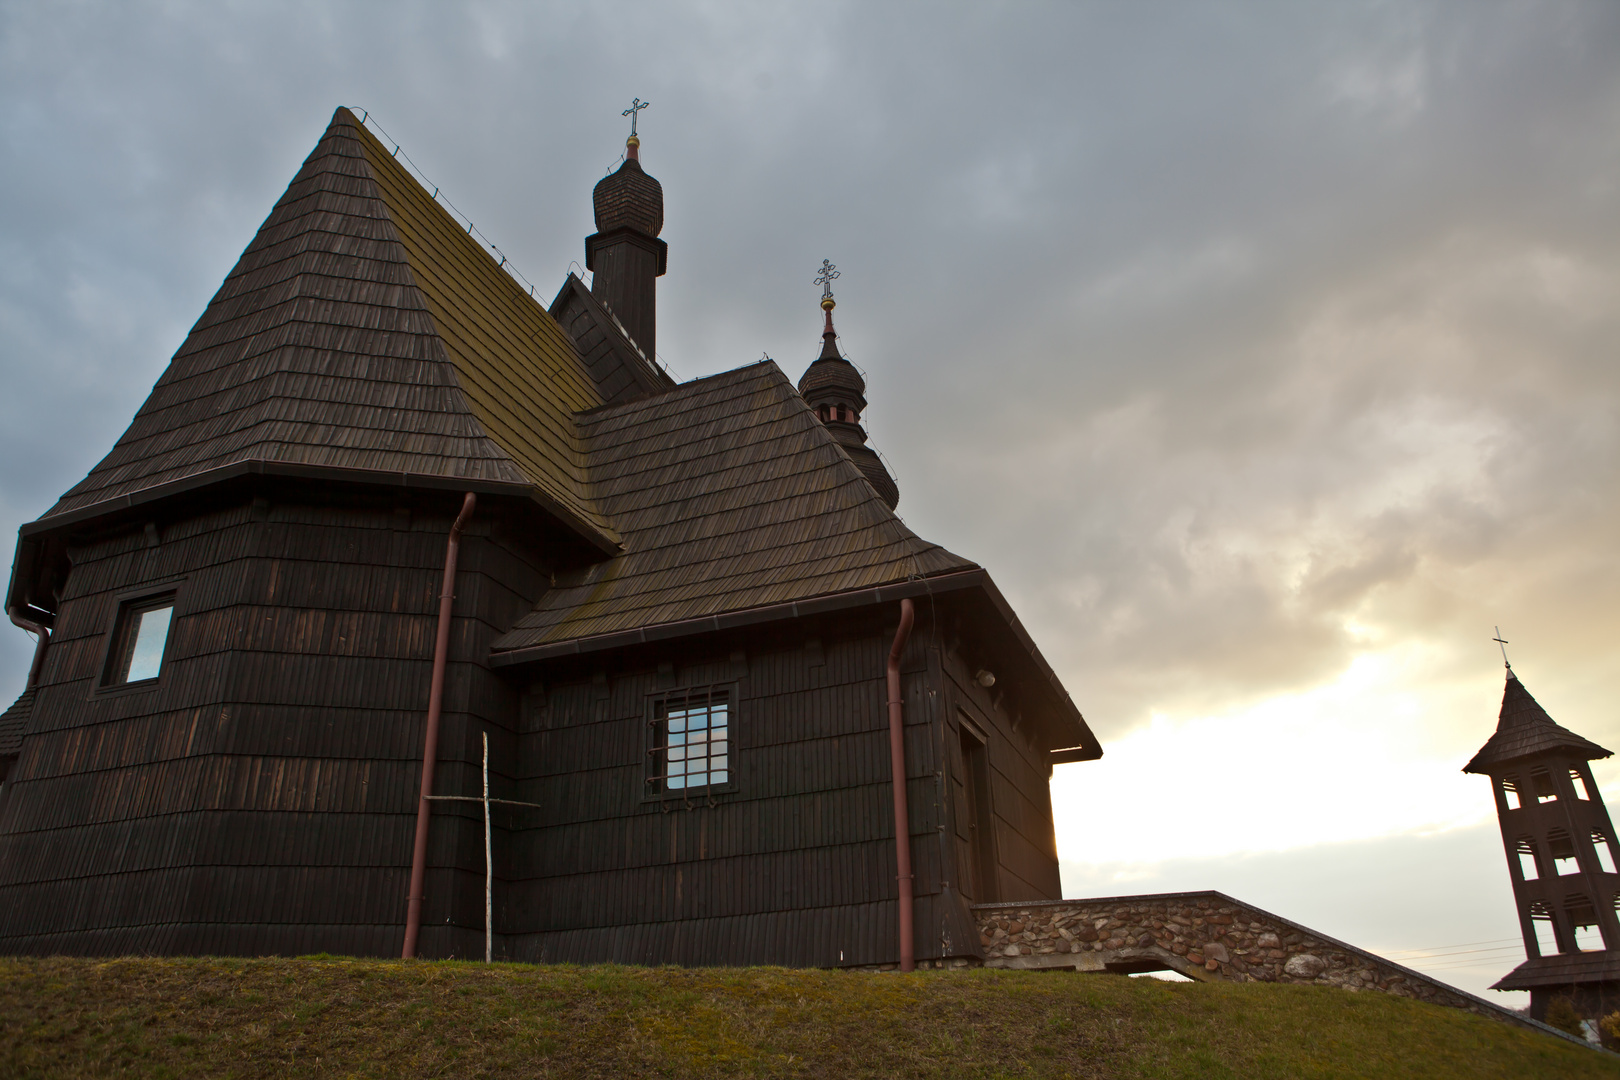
(430, 749)
(897, 761)
(41, 631)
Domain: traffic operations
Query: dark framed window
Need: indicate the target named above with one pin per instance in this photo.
(140, 641)
(690, 741)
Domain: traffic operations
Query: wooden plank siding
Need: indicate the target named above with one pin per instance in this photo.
(261, 798)
(1025, 843)
(794, 864)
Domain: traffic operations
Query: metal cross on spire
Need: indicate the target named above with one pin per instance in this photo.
(1502, 644)
(636, 105)
(825, 278)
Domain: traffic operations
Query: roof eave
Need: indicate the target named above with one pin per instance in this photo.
(1086, 749)
(608, 543)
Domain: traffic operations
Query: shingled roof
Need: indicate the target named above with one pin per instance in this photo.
(14, 722)
(363, 333)
(1525, 729)
(1563, 969)
(729, 494)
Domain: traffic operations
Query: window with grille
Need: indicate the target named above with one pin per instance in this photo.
(1510, 791)
(691, 742)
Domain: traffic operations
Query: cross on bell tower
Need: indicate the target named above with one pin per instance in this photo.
(636, 105)
(1561, 851)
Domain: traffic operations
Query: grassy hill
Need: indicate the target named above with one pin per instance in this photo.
(320, 1016)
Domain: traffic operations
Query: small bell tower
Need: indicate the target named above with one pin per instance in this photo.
(835, 390)
(624, 253)
(1561, 851)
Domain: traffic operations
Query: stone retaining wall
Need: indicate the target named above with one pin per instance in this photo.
(1202, 935)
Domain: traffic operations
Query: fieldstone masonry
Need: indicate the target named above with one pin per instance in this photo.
(1202, 935)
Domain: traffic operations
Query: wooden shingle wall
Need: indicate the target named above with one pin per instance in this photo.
(1025, 843)
(795, 865)
(261, 798)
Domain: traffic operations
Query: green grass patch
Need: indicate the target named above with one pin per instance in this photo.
(327, 1016)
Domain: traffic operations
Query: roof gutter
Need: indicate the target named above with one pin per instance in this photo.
(39, 630)
(604, 540)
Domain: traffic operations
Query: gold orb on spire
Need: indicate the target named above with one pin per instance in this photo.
(632, 141)
(828, 303)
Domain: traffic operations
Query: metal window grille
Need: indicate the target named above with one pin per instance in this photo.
(691, 741)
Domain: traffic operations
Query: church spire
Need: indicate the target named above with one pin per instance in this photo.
(625, 253)
(837, 392)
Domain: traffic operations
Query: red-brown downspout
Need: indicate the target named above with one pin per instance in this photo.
(430, 749)
(897, 761)
(41, 631)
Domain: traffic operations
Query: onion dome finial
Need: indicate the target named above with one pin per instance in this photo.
(628, 197)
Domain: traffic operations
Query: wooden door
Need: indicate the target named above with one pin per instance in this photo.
(974, 833)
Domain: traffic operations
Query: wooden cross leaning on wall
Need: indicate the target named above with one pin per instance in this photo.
(489, 862)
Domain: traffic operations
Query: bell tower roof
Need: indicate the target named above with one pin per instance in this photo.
(628, 197)
(834, 389)
(1524, 729)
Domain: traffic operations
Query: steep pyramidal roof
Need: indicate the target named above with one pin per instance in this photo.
(1524, 728)
(729, 495)
(363, 332)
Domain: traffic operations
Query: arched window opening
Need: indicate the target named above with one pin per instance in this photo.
(1541, 782)
(1561, 847)
(1605, 854)
(1583, 917)
(1579, 783)
(1510, 791)
(1529, 868)
(1541, 922)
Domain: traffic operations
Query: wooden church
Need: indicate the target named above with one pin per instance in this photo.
(383, 505)
(1560, 847)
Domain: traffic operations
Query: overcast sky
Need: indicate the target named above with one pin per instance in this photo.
(1265, 353)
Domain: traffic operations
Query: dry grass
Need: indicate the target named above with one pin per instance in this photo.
(321, 1016)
